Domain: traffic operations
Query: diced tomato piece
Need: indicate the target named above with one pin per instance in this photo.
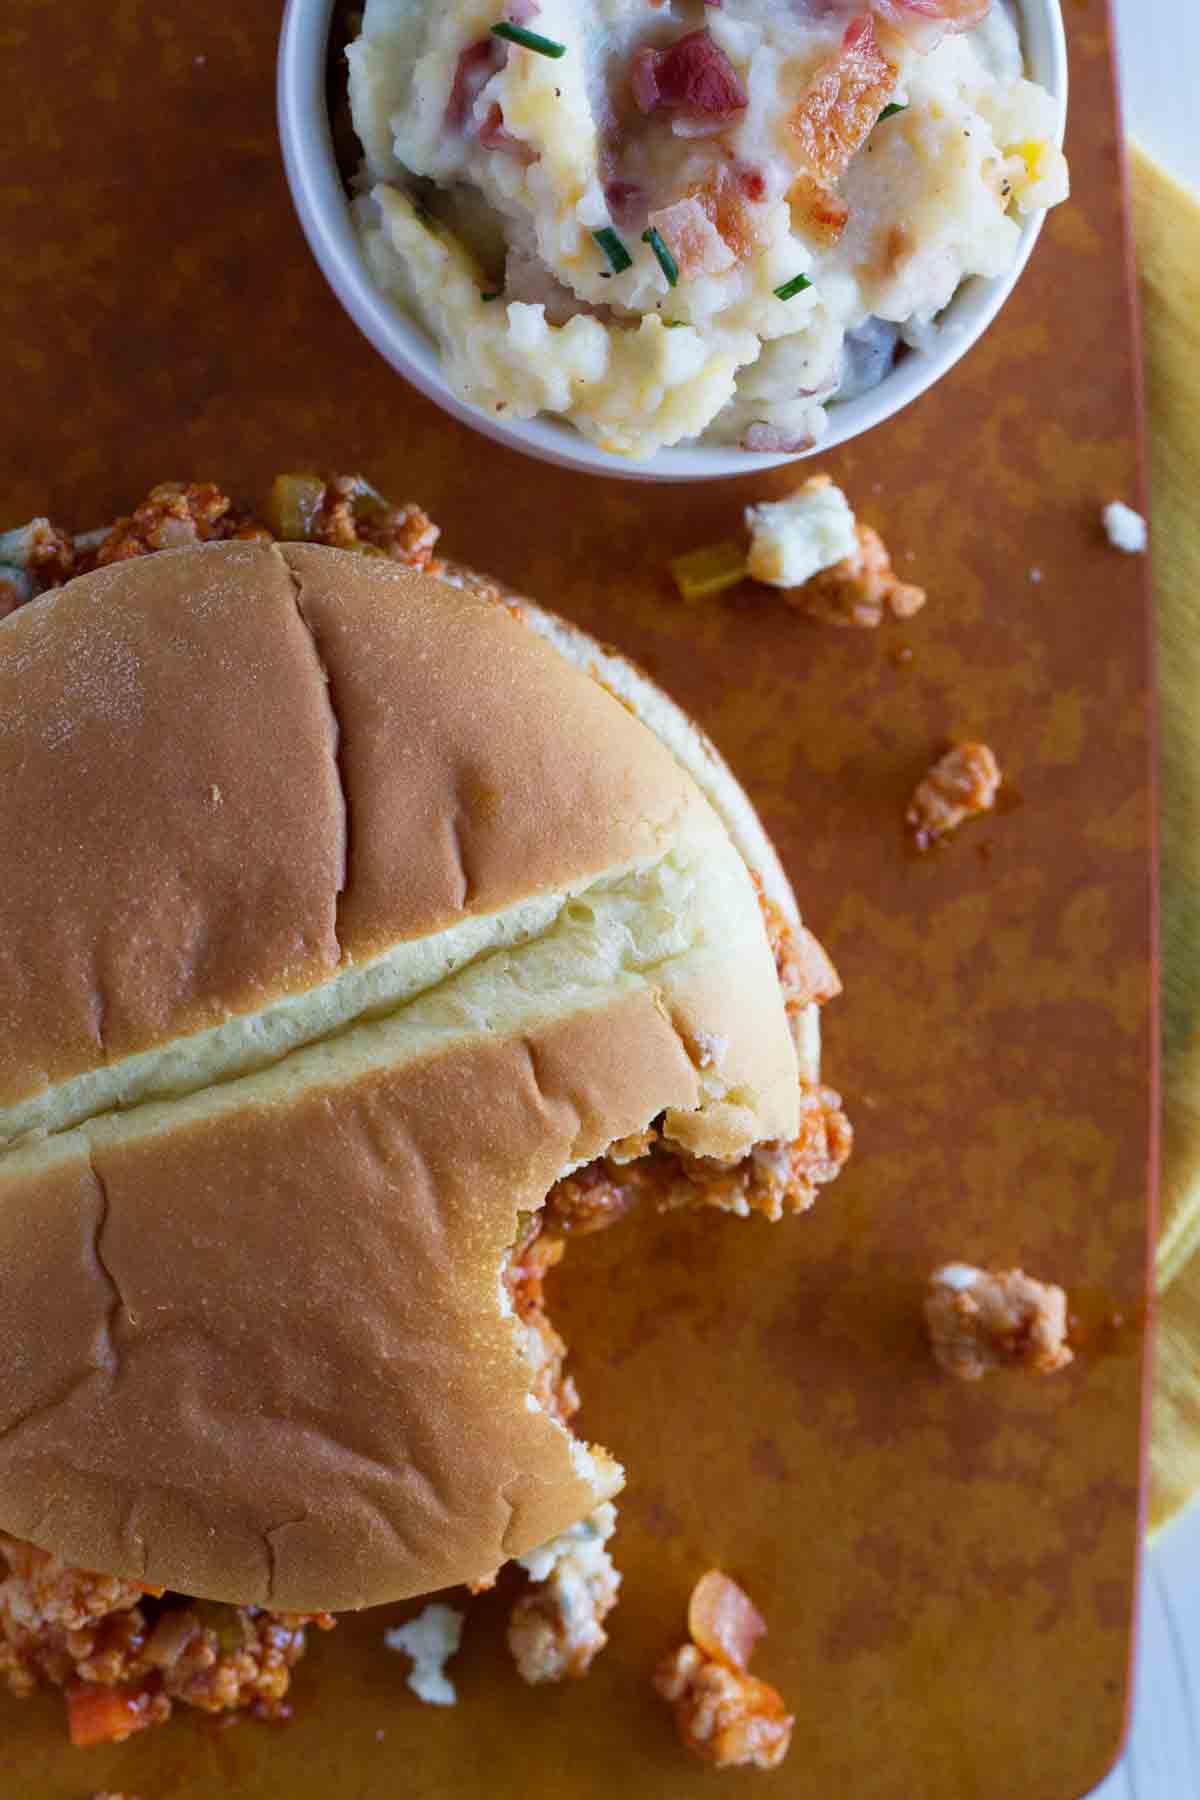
(106, 1715)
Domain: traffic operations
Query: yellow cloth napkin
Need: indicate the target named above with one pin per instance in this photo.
(1167, 228)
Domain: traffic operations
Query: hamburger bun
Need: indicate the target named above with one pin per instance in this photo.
(350, 916)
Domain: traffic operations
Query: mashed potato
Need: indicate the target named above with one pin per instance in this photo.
(662, 222)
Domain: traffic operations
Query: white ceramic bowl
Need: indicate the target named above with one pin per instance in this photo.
(320, 201)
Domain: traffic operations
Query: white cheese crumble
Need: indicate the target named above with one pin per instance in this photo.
(794, 539)
(430, 1639)
(958, 1276)
(581, 1545)
(1125, 529)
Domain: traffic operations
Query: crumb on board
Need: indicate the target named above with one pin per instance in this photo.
(1125, 529)
(723, 1714)
(981, 1319)
(429, 1640)
(811, 546)
(961, 784)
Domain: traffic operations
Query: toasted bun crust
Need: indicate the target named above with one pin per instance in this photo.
(351, 917)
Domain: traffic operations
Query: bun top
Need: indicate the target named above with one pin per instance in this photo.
(349, 917)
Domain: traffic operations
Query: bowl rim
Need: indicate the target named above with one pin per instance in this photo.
(319, 198)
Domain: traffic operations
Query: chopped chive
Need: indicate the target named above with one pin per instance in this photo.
(791, 288)
(494, 296)
(890, 111)
(528, 40)
(666, 261)
(613, 248)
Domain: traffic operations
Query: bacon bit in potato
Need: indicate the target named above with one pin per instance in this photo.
(475, 67)
(923, 22)
(841, 105)
(960, 784)
(692, 77)
(723, 1622)
(727, 197)
(493, 135)
(626, 202)
(689, 231)
(817, 212)
(722, 1714)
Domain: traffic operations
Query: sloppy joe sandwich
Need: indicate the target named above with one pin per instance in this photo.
(369, 935)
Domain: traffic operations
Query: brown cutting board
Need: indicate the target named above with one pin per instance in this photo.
(948, 1571)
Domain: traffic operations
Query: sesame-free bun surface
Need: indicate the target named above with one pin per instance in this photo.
(352, 915)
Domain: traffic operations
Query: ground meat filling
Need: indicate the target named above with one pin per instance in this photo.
(343, 511)
(723, 1714)
(959, 786)
(556, 1629)
(861, 590)
(125, 1653)
(774, 1179)
(983, 1319)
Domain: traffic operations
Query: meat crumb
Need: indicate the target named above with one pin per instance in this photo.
(960, 784)
(723, 1714)
(725, 1717)
(174, 516)
(981, 1319)
(556, 1629)
(861, 590)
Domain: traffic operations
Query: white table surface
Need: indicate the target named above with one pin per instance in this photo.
(1159, 49)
